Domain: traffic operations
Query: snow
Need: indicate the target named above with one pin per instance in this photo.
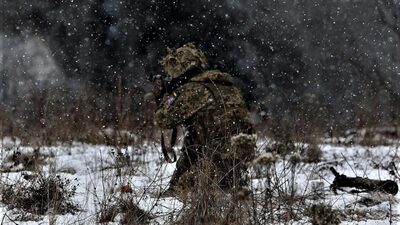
(9, 142)
(101, 171)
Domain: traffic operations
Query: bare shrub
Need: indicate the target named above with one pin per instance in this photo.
(374, 136)
(31, 161)
(321, 214)
(131, 213)
(310, 153)
(282, 147)
(17, 215)
(7, 124)
(78, 115)
(275, 198)
(108, 212)
(40, 195)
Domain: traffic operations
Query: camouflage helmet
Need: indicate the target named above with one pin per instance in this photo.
(178, 61)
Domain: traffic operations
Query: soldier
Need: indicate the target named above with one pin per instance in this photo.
(213, 112)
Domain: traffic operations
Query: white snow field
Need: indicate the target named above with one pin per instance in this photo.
(101, 172)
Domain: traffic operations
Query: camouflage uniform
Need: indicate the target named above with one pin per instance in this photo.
(213, 111)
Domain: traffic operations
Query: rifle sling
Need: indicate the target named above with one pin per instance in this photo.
(168, 150)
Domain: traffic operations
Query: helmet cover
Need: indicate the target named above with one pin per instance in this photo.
(178, 61)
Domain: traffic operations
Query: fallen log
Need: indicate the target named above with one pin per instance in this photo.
(365, 184)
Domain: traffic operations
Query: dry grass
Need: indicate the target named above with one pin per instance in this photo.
(273, 200)
(323, 215)
(310, 153)
(24, 161)
(206, 203)
(126, 206)
(40, 195)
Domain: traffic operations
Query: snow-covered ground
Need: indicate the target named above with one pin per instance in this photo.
(101, 172)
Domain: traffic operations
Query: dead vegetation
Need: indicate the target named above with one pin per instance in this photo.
(40, 195)
(24, 161)
(274, 198)
(125, 207)
(206, 203)
(323, 215)
(310, 153)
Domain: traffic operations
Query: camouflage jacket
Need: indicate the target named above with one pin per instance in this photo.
(210, 107)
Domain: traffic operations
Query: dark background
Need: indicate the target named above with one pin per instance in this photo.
(312, 67)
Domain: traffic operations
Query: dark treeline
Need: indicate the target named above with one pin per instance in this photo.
(311, 65)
